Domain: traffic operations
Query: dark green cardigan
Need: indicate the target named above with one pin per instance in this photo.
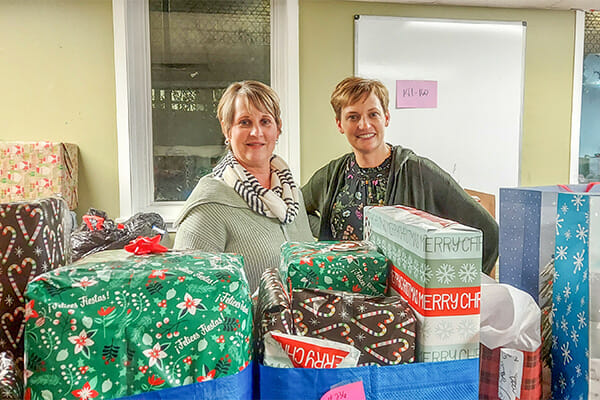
(415, 182)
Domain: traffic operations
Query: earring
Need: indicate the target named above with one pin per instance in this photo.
(226, 142)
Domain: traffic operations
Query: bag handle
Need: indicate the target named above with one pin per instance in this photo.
(587, 188)
(590, 186)
(565, 187)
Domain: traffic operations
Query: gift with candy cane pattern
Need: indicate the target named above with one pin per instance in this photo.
(33, 240)
(382, 328)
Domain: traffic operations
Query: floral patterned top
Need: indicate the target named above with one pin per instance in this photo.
(361, 187)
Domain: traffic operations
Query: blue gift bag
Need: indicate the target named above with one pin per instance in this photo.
(576, 306)
(231, 387)
(527, 233)
(451, 380)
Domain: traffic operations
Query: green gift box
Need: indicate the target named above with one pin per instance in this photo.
(350, 266)
(117, 327)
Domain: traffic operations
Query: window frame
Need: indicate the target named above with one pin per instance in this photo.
(131, 26)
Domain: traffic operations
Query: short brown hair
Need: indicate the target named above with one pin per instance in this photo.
(353, 89)
(261, 96)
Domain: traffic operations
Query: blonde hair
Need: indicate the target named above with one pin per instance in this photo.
(353, 89)
(261, 96)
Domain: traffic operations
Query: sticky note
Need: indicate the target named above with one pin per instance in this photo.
(416, 94)
(351, 391)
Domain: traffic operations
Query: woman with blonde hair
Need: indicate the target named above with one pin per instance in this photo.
(377, 173)
(250, 203)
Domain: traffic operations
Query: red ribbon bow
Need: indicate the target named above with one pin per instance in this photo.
(145, 245)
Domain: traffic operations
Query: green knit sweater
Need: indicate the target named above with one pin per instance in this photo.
(413, 181)
(215, 218)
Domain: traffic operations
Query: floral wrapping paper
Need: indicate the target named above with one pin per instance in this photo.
(107, 329)
(34, 170)
(346, 266)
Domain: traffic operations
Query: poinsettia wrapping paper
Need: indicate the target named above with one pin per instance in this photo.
(33, 170)
(347, 266)
(108, 329)
(436, 266)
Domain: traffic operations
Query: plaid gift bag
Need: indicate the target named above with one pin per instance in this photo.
(489, 370)
(510, 361)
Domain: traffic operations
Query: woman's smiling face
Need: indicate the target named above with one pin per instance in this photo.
(364, 124)
(253, 135)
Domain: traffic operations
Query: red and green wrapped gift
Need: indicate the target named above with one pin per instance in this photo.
(349, 266)
(107, 329)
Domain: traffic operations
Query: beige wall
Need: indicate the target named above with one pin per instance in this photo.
(58, 83)
(57, 75)
(326, 57)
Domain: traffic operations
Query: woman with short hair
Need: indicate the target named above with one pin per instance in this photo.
(250, 203)
(377, 173)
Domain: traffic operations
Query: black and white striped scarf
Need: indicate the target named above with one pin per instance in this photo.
(281, 201)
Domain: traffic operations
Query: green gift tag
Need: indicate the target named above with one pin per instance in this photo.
(347, 266)
(160, 321)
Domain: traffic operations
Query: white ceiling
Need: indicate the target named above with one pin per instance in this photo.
(547, 4)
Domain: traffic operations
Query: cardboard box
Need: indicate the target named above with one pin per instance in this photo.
(436, 268)
(34, 170)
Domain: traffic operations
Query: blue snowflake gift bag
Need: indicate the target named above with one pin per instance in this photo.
(576, 297)
(527, 219)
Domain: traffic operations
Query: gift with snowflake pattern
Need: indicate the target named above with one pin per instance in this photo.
(527, 229)
(436, 266)
(351, 266)
(107, 329)
(576, 298)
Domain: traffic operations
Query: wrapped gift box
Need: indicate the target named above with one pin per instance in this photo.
(33, 240)
(123, 327)
(347, 266)
(382, 328)
(273, 308)
(34, 170)
(436, 266)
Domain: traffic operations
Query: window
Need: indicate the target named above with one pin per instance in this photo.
(589, 144)
(173, 60)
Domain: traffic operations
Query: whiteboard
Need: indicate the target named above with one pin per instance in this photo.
(474, 132)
